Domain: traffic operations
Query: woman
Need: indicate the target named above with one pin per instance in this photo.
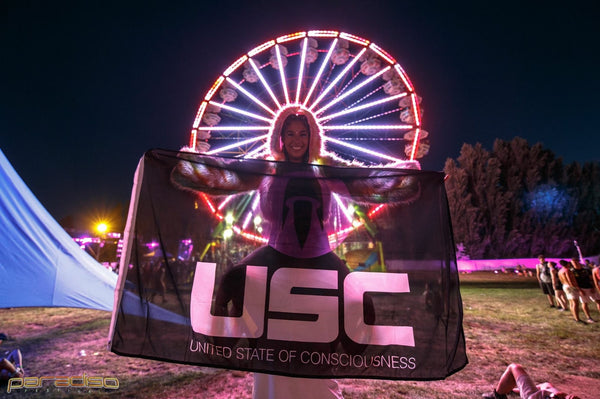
(297, 208)
(299, 142)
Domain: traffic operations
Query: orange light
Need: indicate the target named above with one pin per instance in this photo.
(292, 36)
(193, 138)
(214, 88)
(102, 227)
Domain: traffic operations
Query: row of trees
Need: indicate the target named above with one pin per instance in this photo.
(520, 200)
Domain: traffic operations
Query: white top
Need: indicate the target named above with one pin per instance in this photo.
(267, 386)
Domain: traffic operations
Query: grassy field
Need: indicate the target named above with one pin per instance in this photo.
(506, 319)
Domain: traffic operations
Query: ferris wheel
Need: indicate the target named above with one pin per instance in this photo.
(366, 108)
(365, 104)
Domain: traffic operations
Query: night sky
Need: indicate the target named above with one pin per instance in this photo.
(89, 86)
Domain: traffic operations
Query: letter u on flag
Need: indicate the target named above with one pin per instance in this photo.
(290, 269)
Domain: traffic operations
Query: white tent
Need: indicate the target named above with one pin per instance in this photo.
(40, 264)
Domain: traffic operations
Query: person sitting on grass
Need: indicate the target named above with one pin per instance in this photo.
(516, 379)
(10, 362)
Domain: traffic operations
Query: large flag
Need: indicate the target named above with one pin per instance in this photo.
(289, 269)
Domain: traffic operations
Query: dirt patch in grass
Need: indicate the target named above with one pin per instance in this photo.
(506, 319)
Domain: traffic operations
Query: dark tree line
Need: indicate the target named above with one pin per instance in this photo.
(520, 200)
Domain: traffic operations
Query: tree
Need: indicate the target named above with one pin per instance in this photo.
(519, 201)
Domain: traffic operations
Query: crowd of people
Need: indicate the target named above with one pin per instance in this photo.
(570, 285)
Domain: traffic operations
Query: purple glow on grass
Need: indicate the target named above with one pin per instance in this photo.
(476, 265)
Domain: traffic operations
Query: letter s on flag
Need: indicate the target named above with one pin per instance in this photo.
(325, 328)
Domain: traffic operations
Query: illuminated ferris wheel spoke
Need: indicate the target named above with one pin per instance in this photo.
(368, 127)
(209, 203)
(257, 151)
(301, 69)
(255, 198)
(264, 82)
(237, 144)
(282, 74)
(348, 84)
(240, 111)
(348, 211)
(337, 79)
(361, 107)
(233, 128)
(366, 96)
(247, 220)
(356, 122)
(362, 149)
(324, 64)
(353, 90)
(250, 96)
(225, 202)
